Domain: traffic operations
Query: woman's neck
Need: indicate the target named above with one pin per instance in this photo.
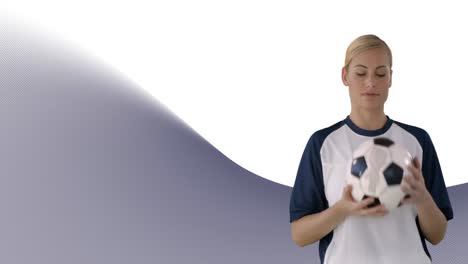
(368, 120)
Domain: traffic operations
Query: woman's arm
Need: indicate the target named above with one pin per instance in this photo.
(312, 228)
(431, 219)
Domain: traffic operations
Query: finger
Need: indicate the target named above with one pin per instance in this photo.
(415, 185)
(349, 189)
(347, 192)
(407, 189)
(409, 180)
(415, 172)
(416, 163)
(365, 203)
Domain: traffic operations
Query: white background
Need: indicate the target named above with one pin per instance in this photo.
(257, 78)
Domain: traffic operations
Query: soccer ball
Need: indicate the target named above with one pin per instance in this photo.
(377, 170)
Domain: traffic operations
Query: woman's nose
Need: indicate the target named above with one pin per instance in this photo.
(370, 82)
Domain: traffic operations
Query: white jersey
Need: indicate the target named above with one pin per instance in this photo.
(321, 177)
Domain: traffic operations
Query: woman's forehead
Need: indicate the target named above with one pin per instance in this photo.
(374, 58)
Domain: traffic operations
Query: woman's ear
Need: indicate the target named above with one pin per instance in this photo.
(344, 76)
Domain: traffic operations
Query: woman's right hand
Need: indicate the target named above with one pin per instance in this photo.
(313, 227)
(353, 207)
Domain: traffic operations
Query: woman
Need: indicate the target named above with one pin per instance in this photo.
(322, 207)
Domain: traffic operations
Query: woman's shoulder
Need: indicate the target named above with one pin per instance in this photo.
(320, 135)
(415, 130)
(421, 135)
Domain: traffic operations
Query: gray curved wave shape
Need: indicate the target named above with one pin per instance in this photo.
(92, 170)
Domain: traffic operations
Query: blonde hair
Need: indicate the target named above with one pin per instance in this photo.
(363, 43)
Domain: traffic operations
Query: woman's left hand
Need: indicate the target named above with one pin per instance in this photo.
(414, 187)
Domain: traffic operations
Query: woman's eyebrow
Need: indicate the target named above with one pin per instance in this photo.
(360, 65)
(364, 66)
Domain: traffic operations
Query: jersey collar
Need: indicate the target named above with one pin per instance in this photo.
(368, 133)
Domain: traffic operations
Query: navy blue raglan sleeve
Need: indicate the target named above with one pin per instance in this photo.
(308, 195)
(434, 179)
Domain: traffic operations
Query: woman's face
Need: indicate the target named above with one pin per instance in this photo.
(368, 77)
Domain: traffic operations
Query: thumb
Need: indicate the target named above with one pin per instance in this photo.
(347, 191)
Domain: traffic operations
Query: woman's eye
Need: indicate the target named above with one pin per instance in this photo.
(360, 74)
(380, 75)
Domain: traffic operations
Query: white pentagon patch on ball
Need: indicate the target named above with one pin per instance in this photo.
(377, 169)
